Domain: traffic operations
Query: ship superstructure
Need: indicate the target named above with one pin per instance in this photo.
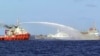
(59, 34)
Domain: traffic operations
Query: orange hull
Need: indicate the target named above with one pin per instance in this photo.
(16, 37)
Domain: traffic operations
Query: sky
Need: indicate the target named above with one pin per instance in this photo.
(79, 14)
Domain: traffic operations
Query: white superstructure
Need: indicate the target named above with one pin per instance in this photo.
(15, 30)
(59, 34)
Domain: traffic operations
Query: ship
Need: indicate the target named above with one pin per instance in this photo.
(92, 33)
(60, 35)
(14, 32)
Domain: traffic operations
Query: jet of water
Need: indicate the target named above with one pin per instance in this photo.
(73, 33)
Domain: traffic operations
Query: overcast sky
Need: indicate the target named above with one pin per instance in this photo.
(79, 14)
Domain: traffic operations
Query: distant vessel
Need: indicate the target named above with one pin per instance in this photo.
(15, 32)
(59, 34)
(92, 32)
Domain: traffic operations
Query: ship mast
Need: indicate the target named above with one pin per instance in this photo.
(17, 22)
(93, 28)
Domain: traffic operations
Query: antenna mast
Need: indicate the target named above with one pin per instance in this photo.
(94, 25)
(17, 22)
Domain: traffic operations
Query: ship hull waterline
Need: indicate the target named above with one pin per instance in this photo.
(15, 37)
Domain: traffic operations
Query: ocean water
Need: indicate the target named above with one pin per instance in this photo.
(50, 48)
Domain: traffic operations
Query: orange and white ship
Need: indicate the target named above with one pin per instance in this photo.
(15, 32)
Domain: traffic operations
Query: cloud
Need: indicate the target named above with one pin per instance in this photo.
(77, 0)
(91, 5)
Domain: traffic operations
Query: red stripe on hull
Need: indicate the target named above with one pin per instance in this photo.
(16, 37)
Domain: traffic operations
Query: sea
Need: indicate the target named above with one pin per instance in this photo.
(50, 48)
